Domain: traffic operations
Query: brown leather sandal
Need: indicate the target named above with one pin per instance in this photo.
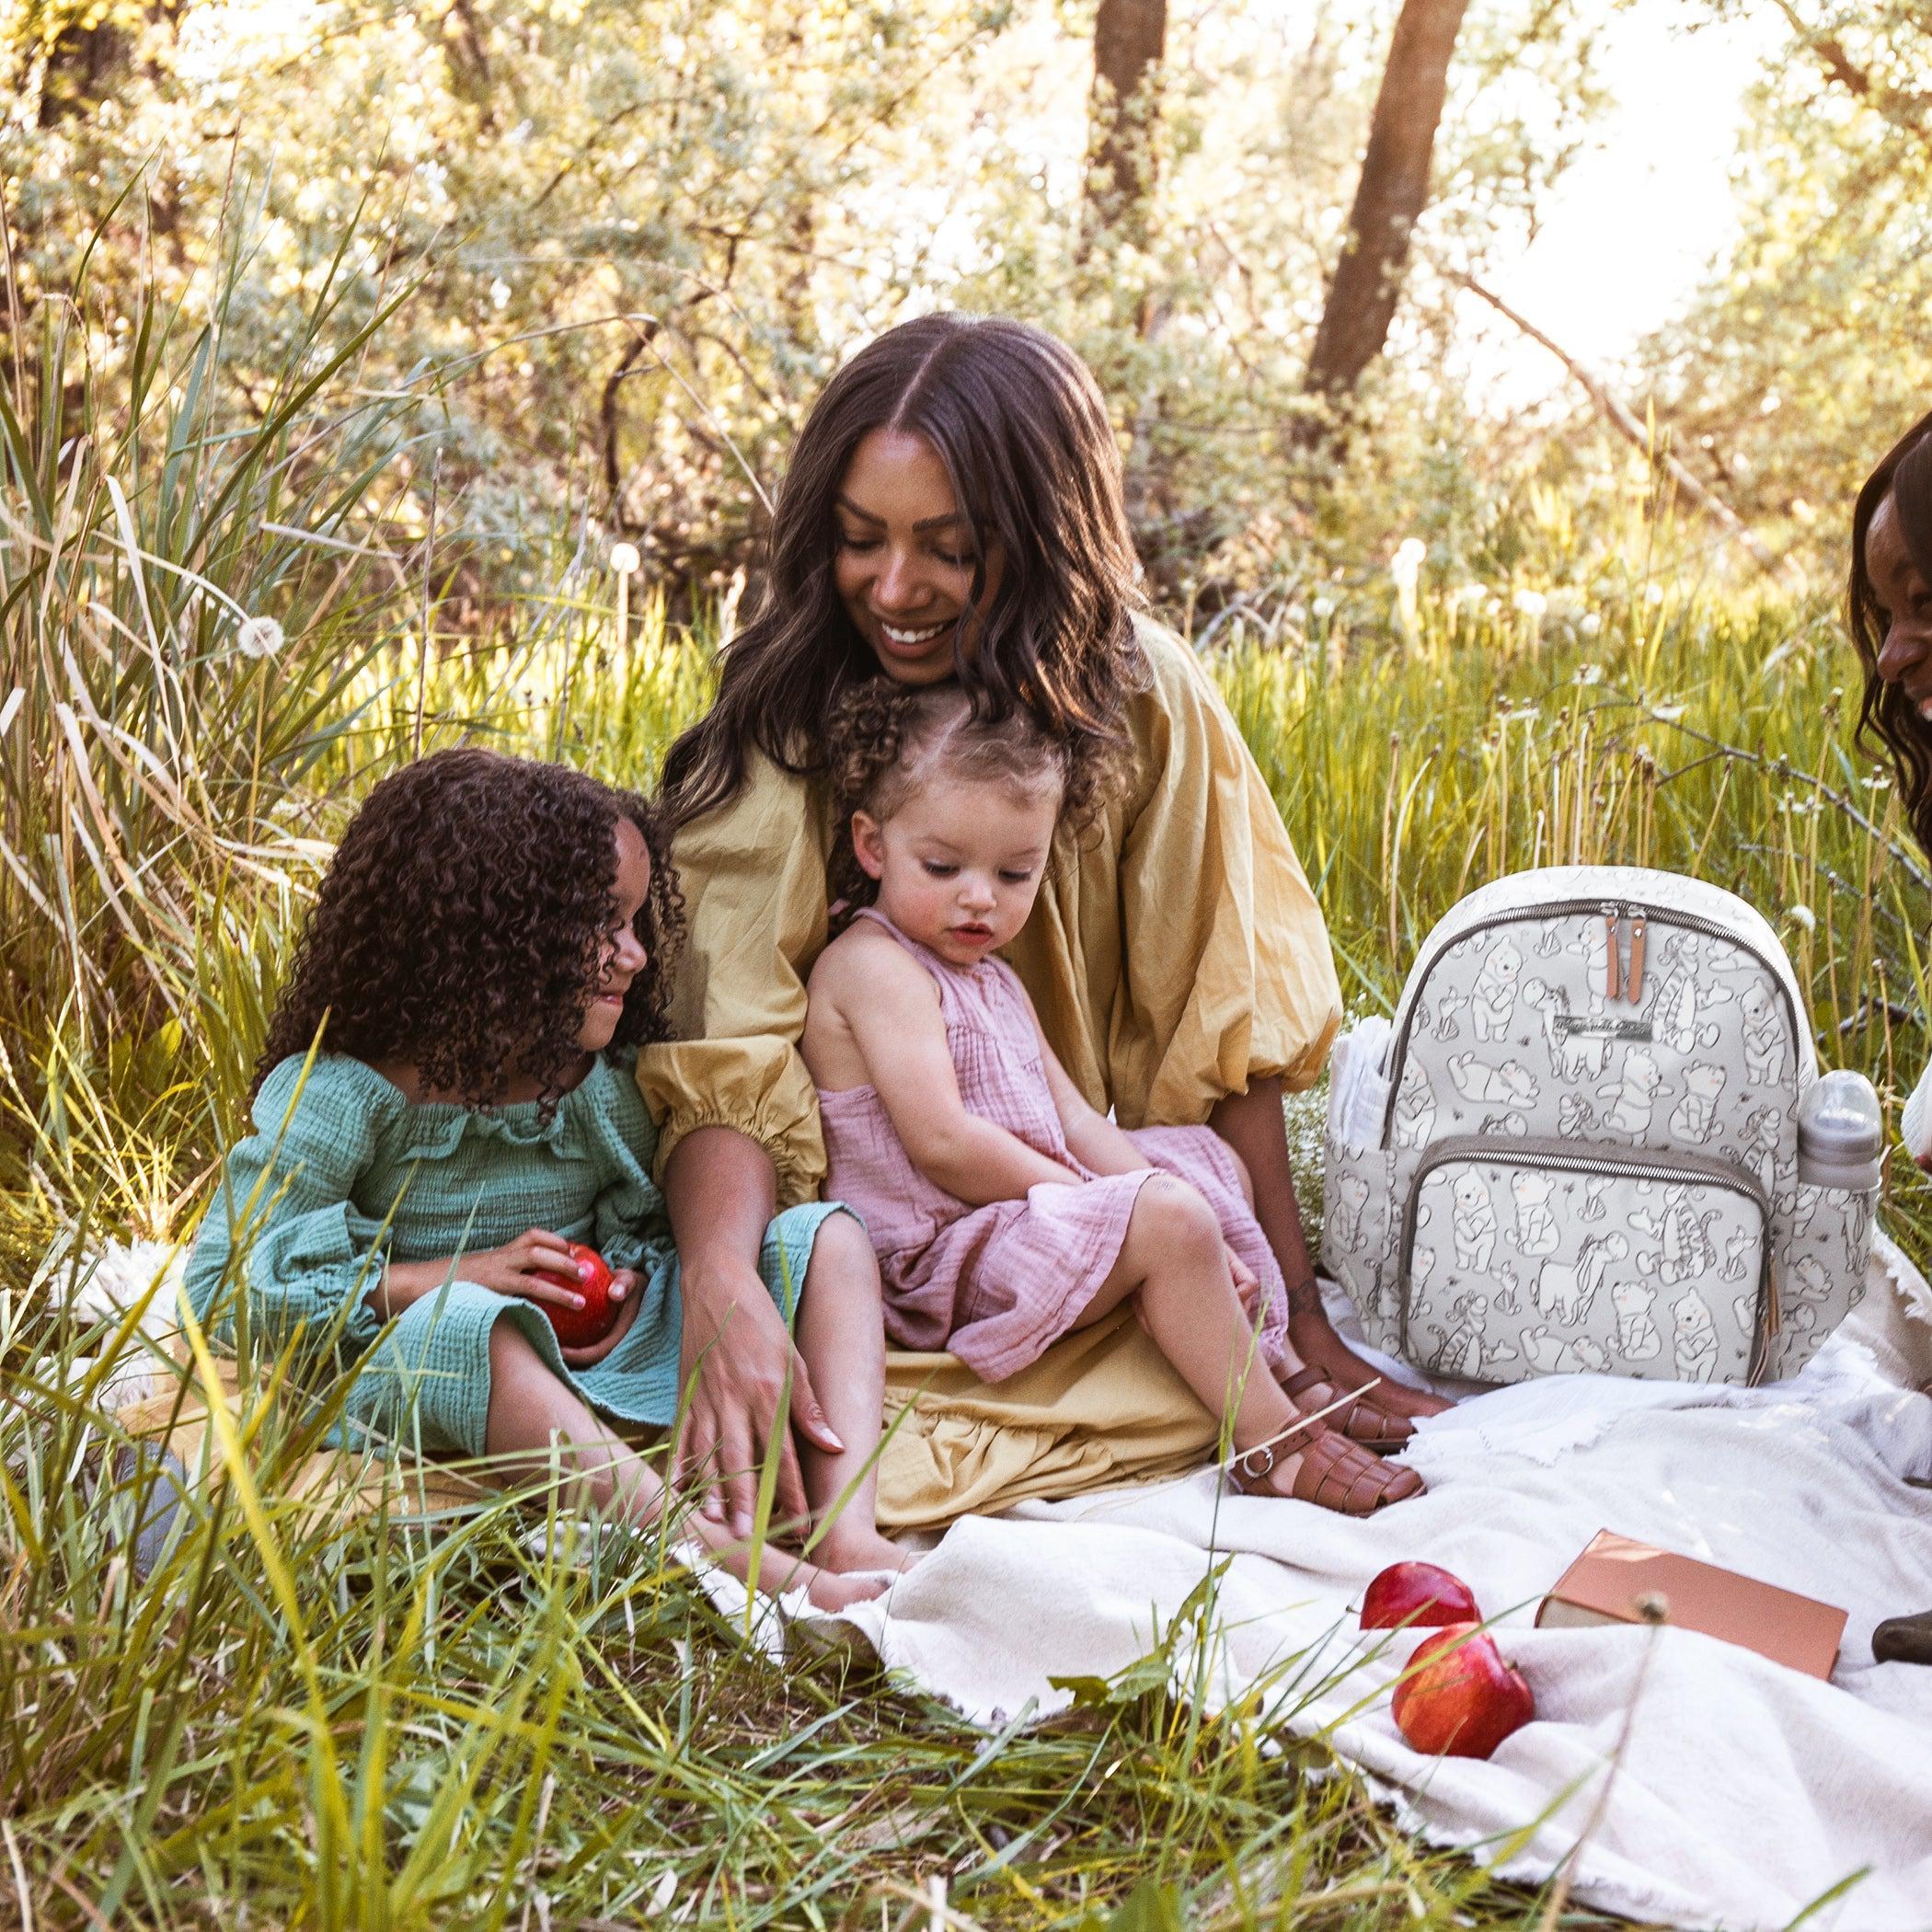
(1333, 1474)
(1362, 1420)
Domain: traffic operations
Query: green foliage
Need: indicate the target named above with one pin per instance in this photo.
(631, 241)
(1803, 359)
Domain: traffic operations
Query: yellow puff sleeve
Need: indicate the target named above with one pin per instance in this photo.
(1226, 951)
(754, 878)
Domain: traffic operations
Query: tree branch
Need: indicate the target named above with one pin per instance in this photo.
(1618, 416)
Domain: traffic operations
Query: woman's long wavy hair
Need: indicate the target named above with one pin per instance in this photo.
(461, 926)
(1020, 426)
(1905, 476)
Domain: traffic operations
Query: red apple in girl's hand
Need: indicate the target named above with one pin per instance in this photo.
(578, 1327)
(1416, 1593)
(1459, 1697)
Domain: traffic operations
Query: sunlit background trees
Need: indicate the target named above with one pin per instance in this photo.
(625, 242)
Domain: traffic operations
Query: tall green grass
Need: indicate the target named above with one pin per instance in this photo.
(294, 1719)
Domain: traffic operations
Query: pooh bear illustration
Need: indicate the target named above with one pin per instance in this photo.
(1634, 1093)
(1636, 1336)
(1473, 1224)
(1536, 1230)
(1494, 999)
(1696, 1115)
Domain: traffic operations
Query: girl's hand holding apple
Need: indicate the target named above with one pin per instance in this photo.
(595, 1308)
(624, 1303)
(537, 1267)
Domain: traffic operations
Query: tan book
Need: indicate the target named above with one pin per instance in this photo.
(1608, 1581)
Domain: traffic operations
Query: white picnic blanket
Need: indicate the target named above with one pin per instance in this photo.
(1744, 1791)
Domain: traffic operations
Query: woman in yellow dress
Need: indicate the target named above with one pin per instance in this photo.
(953, 510)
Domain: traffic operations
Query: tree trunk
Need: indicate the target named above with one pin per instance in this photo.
(1391, 194)
(1130, 41)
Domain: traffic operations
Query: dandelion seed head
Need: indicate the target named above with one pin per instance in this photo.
(258, 638)
(624, 560)
(1530, 604)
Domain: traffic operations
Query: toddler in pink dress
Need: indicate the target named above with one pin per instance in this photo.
(1004, 1209)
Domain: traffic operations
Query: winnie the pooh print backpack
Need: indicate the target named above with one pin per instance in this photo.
(1579, 1149)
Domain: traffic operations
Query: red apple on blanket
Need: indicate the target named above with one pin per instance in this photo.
(1416, 1593)
(578, 1327)
(1458, 1698)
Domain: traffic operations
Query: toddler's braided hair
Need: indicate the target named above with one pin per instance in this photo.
(883, 739)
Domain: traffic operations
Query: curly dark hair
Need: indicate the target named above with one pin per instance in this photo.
(460, 926)
(883, 738)
(1904, 474)
(1021, 428)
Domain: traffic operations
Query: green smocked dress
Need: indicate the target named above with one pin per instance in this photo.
(343, 1172)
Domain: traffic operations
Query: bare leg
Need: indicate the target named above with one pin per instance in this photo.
(1251, 1123)
(1172, 1260)
(841, 1336)
(529, 1409)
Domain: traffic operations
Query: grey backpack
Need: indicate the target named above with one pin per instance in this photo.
(1577, 1147)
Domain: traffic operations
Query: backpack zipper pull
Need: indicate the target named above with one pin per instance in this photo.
(1633, 982)
(1774, 1318)
(1612, 970)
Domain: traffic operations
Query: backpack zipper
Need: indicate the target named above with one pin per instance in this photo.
(1620, 982)
(1613, 912)
(1566, 1156)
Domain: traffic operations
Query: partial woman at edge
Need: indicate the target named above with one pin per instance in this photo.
(1891, 619)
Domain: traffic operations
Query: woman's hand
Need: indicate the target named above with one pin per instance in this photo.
(735, 1353)
(624, 1290)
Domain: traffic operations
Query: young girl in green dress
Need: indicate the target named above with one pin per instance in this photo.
(487, 952)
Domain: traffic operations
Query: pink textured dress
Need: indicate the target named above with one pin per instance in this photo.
(998, 1284)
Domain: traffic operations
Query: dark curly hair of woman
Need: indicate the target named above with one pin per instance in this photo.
(461, 926)
(883, 738)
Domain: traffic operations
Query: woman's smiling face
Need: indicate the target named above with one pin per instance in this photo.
(1905, 653)
(906, 555)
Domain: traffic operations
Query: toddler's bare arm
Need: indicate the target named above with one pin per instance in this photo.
(887, 1004)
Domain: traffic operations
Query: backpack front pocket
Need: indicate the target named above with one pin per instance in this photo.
(1525, 1257)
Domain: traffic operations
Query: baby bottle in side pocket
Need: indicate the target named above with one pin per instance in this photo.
(1841, 1132)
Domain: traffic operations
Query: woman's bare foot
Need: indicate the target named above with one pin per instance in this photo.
(1361, 1419)
(1315, 1341)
